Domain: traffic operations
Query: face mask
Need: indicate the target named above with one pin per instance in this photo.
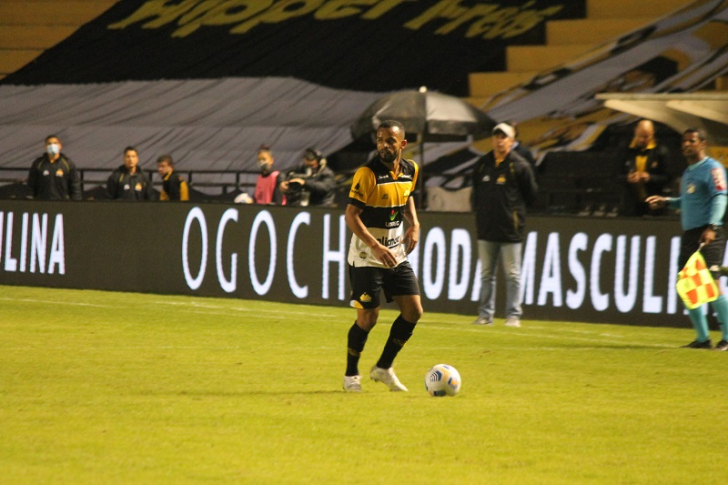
(265, 168)
(53, 149)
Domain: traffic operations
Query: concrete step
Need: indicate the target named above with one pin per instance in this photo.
(51, 12)
(13, 59)
(33, 36)
(590, 31)
(610, 9)
(540, 58)
(484, 84)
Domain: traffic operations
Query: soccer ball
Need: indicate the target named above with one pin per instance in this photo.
(442, 380)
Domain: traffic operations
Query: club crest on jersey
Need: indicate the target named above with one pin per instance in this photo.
(691, 188)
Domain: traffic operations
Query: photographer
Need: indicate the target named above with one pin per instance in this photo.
(310, 184)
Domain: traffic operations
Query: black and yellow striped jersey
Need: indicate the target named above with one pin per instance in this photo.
(382, 197)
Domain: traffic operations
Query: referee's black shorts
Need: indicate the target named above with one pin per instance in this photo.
(366, 283)
(712, 253)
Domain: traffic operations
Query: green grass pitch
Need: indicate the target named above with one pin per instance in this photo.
(100, 387)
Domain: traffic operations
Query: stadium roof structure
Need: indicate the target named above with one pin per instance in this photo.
(680, 111)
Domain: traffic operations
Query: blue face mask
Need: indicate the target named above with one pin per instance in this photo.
(53, 149)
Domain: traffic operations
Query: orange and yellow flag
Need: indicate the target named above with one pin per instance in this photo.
(695, 284)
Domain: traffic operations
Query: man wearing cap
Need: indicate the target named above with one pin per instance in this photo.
(503, 184)
(310, 184)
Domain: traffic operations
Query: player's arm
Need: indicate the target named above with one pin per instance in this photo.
(354, 222)
(412, 234)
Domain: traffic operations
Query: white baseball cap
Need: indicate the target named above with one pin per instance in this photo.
(506, 129)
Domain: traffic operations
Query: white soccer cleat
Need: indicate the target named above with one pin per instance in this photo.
(352, 383)
(513, 322)
(388, 378)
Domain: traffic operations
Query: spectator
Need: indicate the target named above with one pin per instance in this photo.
(310, 184)
(174, 186)
(646, 169)
(129, 182)
(503, 184)
(267, 190)
(54, 176)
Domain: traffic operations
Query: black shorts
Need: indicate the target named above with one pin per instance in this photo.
(366, 282)
(712, 253)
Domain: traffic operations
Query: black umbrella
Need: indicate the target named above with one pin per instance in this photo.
(430, 115)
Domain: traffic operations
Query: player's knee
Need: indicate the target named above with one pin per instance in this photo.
(413, 314)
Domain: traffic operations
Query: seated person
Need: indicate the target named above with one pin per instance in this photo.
(646, 167)
(310, 184)
(174, 186)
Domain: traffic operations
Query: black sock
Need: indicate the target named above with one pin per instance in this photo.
(398, 336)
(357, 339)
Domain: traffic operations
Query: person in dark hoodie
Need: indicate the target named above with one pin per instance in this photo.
(129, 182)
(503, 184)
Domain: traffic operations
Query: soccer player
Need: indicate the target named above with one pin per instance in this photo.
(702, 202)
(379, 200)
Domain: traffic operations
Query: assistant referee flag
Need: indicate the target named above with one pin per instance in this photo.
(695, 284)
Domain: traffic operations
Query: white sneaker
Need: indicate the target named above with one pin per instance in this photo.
(482, 321)
(513, 322)
(352, 383)
(388, 378)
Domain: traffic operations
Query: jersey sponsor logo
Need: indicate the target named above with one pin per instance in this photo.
(355, 190)
(393, 224)
(719, 178)
(393, 215)
(385, 196)
(389, 242)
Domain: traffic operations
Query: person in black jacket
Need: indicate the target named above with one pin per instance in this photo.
(312, 183)
(129, 182)
(54, 176)
(646, 169)
(503, 184)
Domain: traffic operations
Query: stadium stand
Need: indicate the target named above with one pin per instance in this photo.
(27, 28)
(568, 39)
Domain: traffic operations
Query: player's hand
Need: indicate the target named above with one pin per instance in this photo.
(645, 176)
(411, 238)
(384, 255)
(284, 186)
(656, 201)
(708, 236)
(633, 177)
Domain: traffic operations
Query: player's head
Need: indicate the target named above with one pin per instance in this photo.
(644, 134)
(694, 142)
(390, 140)
(165, 165)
